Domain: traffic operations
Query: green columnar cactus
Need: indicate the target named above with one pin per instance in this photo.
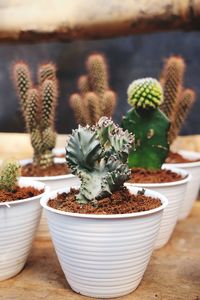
(172, 83)
(97, 155)
(9, 173)
(148, 123)
(186, 101)
(177, 100)
(38, 106)
(97, 99)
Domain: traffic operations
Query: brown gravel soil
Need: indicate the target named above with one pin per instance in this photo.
(56, 169)
(139, 175)
(120, 202)
(176, 158)
(19, 193)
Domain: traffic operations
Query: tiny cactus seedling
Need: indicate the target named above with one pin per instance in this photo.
(9, 173)
(148, 123)
(97, 155)
(95, 99)
(38, 107)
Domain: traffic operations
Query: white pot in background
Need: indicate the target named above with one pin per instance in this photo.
(18, 224)
(175, 193)
(54, 183)
(104, 256)
(193, 186)
(59, 152)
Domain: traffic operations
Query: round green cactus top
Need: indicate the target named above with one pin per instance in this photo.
(145, 93)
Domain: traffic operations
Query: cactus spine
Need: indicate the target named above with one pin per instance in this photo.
(38, 106)
(9, 173)
(97, 155)
(148, 123)
(175, 96)
(95, 99)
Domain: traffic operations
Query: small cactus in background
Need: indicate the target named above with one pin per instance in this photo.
(186, 101)
(95, 99)
(97, 155)
(175, 96)
(9, 173)
(148, 123)
(38, 107)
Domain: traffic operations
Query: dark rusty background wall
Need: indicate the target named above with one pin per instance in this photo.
(129, 58)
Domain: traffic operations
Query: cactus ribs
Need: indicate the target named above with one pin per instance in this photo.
(38, 106)
(95, 99)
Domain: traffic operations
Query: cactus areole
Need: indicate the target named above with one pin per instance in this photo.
(148, 123)
(98, 155)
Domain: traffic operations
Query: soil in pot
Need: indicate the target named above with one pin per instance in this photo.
(175, 158)
(19, 193)
(139, 175)
(30, 170)
(120, 202)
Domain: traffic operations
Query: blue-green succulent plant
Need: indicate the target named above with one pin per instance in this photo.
(98, 156)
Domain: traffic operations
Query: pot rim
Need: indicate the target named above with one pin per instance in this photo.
(44, 200)
(187, 154)
(27, 182)
(187, 177)
(46, 178)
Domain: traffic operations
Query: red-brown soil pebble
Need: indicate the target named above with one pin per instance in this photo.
(31, 170)
(175, 158)
(120, 202)
(139, 175)
(19, 193)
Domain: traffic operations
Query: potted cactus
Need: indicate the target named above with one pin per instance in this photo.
(95, 99)
(176, 105)
(38, 106)
(151, 128)
(100, 230)
(19, 217)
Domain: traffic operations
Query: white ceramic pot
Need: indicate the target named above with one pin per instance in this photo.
(18, 224)
(174, 192)
(54, 183)
(104, 256)
(193, 186)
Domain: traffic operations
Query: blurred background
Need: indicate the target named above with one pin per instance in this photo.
(129, 58)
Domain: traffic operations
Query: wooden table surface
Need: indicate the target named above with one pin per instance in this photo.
(173, 272)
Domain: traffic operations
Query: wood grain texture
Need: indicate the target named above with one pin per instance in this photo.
(173, 272)
(68, 20)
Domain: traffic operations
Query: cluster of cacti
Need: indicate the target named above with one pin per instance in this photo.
(38, 106)
(148, 123)
(97, 155)
(95, 98)
(9, 173)
(177, 100)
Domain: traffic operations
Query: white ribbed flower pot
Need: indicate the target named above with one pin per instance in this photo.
(193, 186)
(54, 183)
(18, 224)
(174, 192)
(104, 256)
